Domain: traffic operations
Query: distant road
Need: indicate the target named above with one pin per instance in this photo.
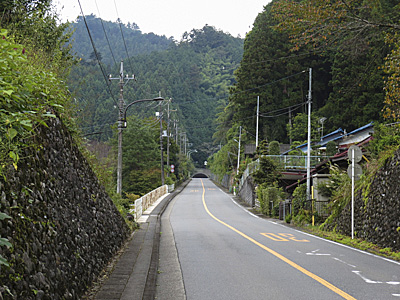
(225, 252)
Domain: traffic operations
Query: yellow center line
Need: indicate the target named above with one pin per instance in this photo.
(276, 254)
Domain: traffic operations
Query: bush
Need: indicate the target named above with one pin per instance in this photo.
(274, 148)
(384, 138)
(299, 199)
(269, 196)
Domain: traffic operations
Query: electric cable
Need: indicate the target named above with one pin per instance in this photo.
(105, 34)
(123, 38)
(96, 54)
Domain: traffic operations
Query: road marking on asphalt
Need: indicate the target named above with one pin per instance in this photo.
(348, 247)
(276, 254)
(318, 254)
(249, 212)
(282, 237)
(343, 262)
(372, 281)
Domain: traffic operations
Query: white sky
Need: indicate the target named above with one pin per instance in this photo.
(170, 17)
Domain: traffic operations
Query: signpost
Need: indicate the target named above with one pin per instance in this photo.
(354, 171)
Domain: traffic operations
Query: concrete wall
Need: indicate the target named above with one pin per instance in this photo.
(64, 227)
(247, 191)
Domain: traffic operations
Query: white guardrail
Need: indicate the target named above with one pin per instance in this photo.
(144, 202)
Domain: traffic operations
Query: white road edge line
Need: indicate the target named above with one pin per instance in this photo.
(348, 247)
(249, 212)
(317, 237)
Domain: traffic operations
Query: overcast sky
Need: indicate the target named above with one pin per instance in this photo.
(170, 17)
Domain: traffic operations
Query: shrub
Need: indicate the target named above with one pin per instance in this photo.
(269, 197)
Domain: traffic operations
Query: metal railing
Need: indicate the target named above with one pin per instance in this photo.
(285, 162)
(296, 161)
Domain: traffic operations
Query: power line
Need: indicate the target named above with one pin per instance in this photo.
(105, 34)
(96, 54)
(267, 114)
(122, 34)
(237, 93)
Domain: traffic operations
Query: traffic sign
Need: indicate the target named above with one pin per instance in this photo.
(357, 171)
(354, 153)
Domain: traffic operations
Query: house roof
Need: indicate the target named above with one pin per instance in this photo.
(337, 135)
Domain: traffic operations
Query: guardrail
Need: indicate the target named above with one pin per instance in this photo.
(146, 201)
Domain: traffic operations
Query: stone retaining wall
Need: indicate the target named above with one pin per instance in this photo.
(247, 191)
(64, 227)
(377, 213)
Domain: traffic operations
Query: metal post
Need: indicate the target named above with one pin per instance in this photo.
(352, 193)
(161, 147)
(258, 116)
(309, 139)
(168, 136)
(238, 159)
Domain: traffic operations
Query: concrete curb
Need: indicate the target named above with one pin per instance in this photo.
(150, 288)
(134, 273)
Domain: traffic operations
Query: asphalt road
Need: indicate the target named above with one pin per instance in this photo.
(212, 248)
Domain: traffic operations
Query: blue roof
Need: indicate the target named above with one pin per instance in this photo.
(332, 136)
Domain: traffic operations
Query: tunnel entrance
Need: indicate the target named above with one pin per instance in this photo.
(200, 175)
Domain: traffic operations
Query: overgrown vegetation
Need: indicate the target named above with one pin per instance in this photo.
(34, 63)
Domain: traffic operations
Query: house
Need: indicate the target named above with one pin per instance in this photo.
(360, 137)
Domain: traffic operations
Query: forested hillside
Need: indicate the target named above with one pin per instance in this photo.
(351, 49)
(195, 72)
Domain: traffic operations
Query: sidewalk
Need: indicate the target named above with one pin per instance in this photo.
(135, 273)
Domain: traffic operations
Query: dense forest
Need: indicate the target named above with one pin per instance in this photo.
(351, 48)
(195, 73)
(214, 79)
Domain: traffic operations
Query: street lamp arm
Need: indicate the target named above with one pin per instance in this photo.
(138, 101)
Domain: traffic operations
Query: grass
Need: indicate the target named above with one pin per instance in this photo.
(355, 243)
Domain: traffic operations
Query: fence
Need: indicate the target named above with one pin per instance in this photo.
(316, 206)
(146, 201)
(296, 161)
(283, 162)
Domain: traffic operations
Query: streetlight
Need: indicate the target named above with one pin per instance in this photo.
(190, 152)
(322, 120)
(121, 125)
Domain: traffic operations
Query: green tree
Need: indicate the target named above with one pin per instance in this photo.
(269, 70)
(354, 32)
(274, 148)
(299, 129)
(267, 173)
(141, 157)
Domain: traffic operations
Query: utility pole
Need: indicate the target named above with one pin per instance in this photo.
(168, 131)
(238, 158)
(161, 146)
(290, 124)
(258, 116)
(184, 143)
(168, 135)
(309, 138)
(121, 107)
